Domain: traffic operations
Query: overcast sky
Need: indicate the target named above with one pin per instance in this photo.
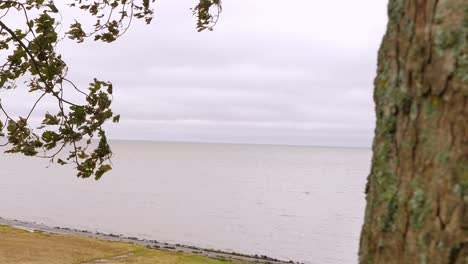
(280, 72)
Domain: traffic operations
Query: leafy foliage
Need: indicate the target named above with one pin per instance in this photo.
(30, 53)
(205, 18)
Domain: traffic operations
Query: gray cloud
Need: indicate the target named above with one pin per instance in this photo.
(295, 72)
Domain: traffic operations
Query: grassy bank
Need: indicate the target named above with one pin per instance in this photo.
(19, 246)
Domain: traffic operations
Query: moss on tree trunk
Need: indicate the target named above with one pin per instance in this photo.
(417, 191)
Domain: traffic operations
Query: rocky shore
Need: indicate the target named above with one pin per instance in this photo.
(153, 244)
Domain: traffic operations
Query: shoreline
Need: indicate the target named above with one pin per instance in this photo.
(152, 244)
(144, 141)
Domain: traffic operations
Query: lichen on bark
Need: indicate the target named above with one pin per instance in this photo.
(417, 190)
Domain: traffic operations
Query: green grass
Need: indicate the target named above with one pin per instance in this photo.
(18, 246)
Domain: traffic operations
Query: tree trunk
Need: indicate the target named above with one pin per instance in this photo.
(417, 191)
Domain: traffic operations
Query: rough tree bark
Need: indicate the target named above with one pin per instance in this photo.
(417, 191)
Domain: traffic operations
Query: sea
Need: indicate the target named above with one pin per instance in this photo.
(299, 203)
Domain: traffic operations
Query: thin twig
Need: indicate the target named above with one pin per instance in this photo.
(35, 104)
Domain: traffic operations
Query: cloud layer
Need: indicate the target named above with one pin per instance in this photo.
(295, 72)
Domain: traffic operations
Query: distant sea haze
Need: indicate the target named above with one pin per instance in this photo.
(290, 202)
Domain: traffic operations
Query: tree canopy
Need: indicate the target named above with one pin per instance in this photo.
(30, 60)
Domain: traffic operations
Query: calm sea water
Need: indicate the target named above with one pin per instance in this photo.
(290, 202)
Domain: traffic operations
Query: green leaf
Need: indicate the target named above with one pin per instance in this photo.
(50, 120)
(116, 119)
(49, 136)
(29, 150)
(102, 169)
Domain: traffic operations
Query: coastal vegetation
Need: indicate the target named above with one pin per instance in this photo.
(22, 246)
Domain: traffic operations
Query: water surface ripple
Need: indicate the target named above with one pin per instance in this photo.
(289, 202)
